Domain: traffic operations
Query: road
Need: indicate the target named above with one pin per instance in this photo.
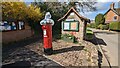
(108, 41)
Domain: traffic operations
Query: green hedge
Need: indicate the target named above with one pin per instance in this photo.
(114, 26)
(91, 25)
(103, 27)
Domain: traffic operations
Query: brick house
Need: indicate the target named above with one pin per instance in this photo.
(75, 24)
(14, 31)
(113, 14)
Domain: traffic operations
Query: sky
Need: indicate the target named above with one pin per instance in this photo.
(101, 5)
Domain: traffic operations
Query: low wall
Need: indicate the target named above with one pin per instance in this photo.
(12, 36)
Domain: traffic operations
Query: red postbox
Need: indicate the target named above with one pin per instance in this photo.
(47, 33)
(47, 38)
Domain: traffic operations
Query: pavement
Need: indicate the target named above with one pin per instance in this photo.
(108, 42)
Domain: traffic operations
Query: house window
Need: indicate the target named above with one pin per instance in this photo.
(21, 25)
(70, 25)
(115, 18)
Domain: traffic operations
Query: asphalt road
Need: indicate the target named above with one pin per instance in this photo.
(109, 44)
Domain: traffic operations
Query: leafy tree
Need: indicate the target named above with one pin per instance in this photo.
(34, 13)
(19, 11)
(13, 10)
(99, 19)
(56, 9)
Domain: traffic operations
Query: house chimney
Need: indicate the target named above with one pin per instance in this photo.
(112, 6)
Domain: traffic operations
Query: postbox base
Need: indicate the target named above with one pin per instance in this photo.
(48, 51)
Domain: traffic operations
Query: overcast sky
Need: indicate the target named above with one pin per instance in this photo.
(101, 5)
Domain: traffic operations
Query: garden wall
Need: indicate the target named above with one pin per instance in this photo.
(11, 36)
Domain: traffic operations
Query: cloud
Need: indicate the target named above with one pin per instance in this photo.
(28, 0)
(101, 5)
(89, 15)
(107, 0)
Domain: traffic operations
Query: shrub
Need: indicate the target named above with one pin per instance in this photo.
(91, 25)
(88, 25)
(68, 37)
(114, 26)
(88, 29)
(99, 27)
(103, 27)
(89, 34)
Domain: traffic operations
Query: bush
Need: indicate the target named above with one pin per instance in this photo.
(91, 25)
(88, 29)
(88, 25)
(89, 34)
(103, 27)
(114, 26)
(99, 27)
(68, 37)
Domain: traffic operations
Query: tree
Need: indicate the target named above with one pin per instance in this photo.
(13, 10)
(19, 11)
(99, 19)
(58, 9)
(83, 6)
(61, 7)
(33, 13)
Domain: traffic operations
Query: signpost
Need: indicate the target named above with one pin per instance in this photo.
(47, 33)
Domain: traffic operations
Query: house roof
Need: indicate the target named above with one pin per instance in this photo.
(73, 10)
(116, 10)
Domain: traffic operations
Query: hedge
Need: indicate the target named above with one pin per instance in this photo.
(114, 26)
(103, 27)
(89, 34)
(92, 25)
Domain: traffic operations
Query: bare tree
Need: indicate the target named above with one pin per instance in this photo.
(81, 6)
